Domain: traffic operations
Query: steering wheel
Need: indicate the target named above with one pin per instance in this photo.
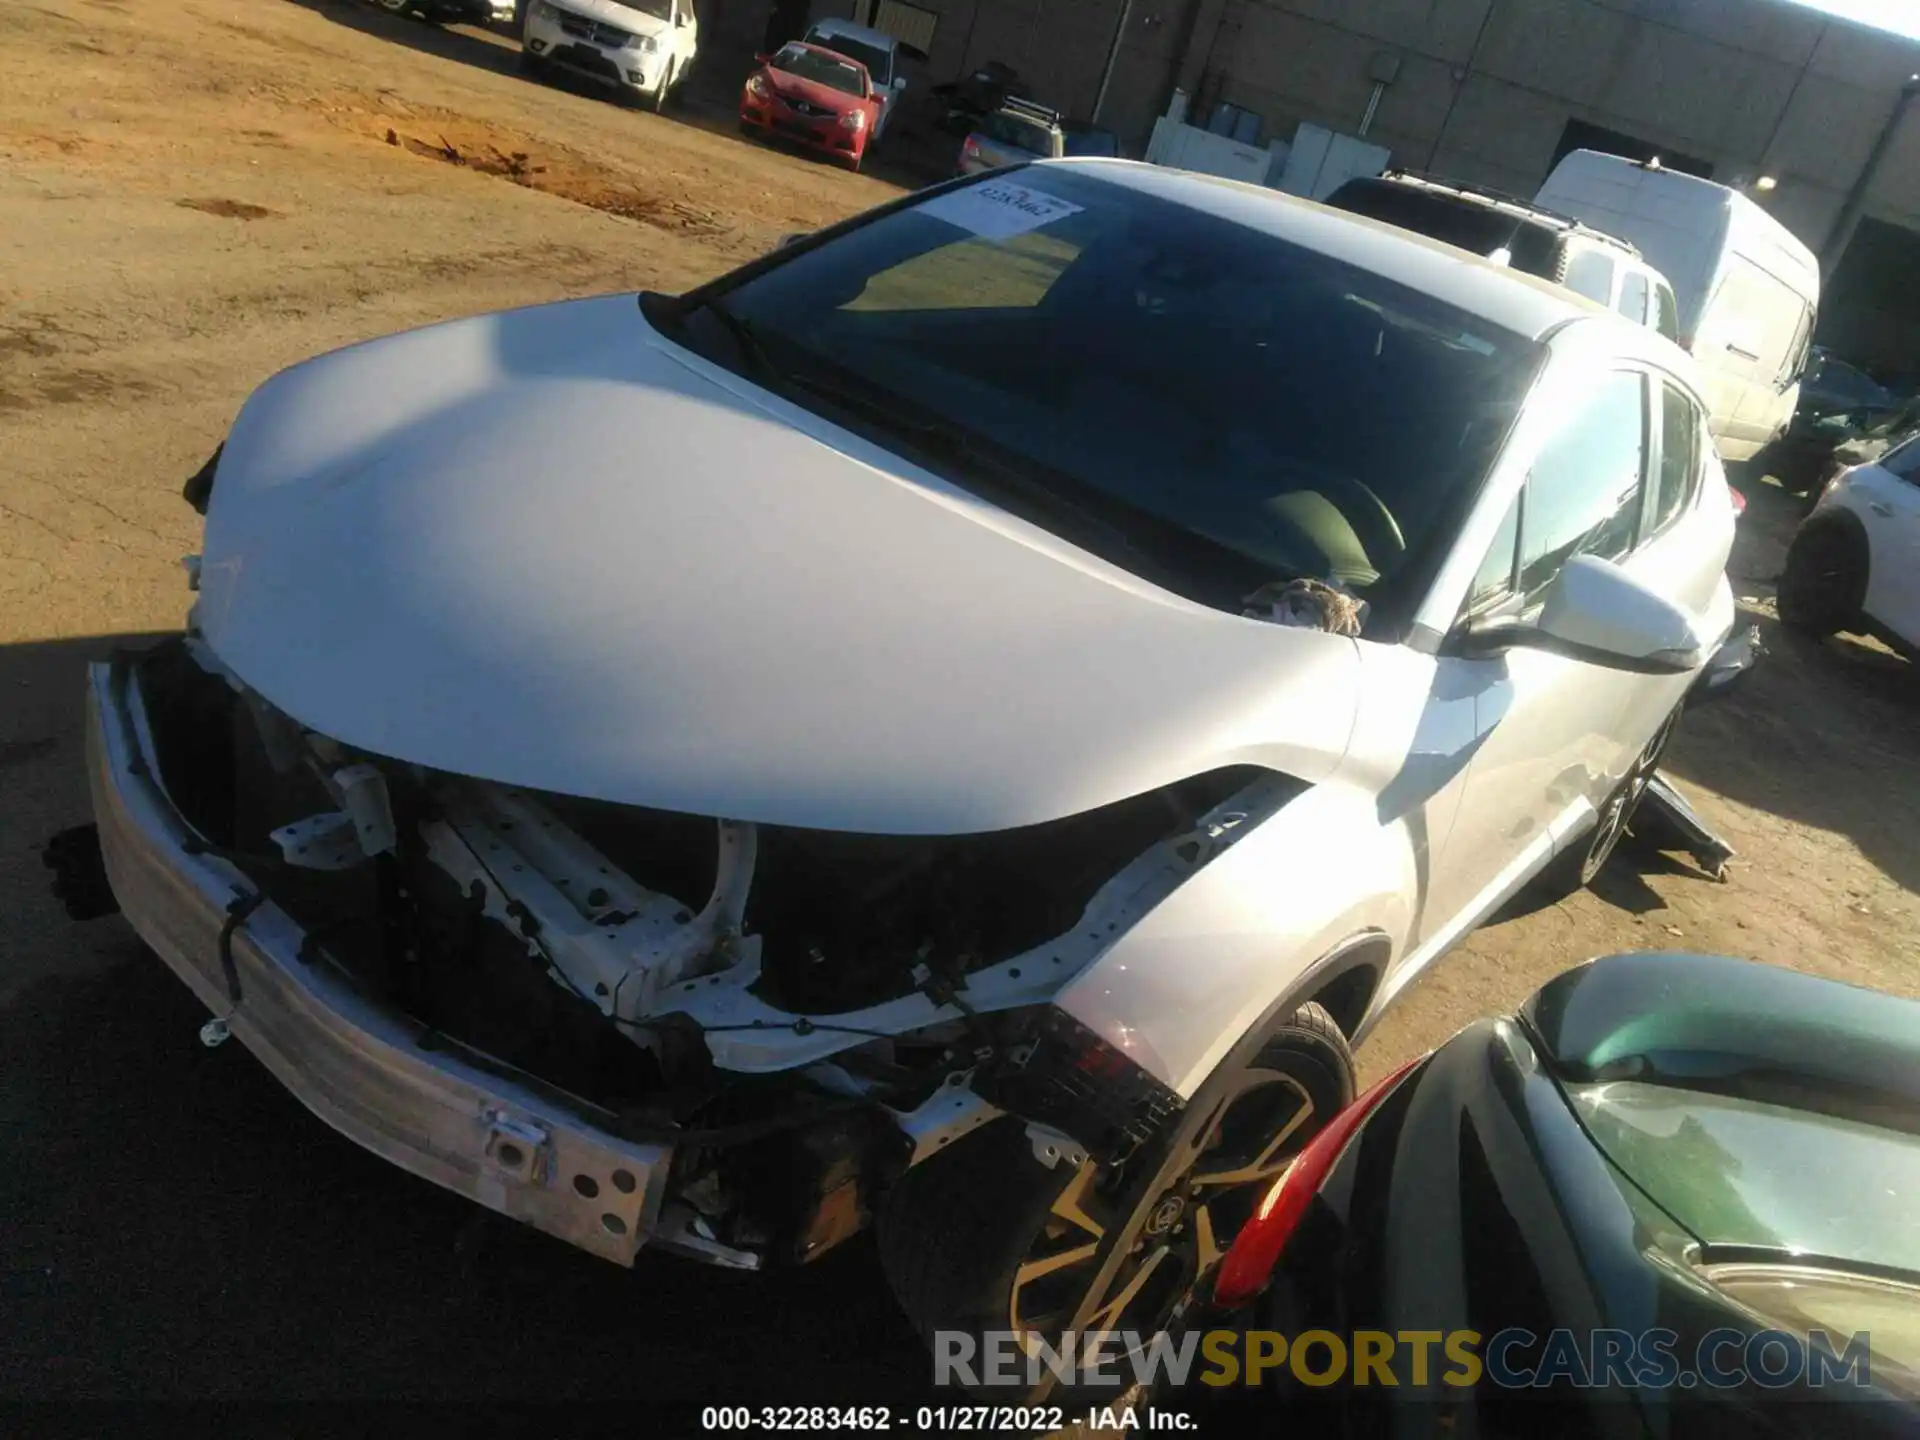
(1386, 529)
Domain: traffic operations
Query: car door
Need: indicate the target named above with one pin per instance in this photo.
(1752, 341)
(1889, 494)
(1549, 747)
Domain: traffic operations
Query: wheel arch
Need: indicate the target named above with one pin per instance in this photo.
(1841, 519)
(1835, 520)
(1345, 981)
(1315, 904)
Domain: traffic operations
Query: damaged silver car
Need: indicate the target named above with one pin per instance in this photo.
(959, 724)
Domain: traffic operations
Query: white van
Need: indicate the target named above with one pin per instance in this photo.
(1748, 290)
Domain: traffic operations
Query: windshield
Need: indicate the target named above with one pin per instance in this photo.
(879, 62)
(1241, 409)
(818, 66)
(659, 9)
(1092, 142)
(1454, 220)
(1027, 135)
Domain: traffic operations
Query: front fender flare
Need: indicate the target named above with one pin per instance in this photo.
(1320, 888)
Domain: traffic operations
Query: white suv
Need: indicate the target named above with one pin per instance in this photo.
(1606, 269)
(960, 722)
(637, 47)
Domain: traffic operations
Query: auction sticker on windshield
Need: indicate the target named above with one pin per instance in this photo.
(999, 209)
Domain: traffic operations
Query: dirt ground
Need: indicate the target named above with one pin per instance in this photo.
(195, 194)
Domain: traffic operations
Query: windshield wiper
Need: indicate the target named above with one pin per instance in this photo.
(952, 443)
(741, 332)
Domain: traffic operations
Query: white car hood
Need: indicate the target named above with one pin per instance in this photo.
(550, 548)
(611, 12)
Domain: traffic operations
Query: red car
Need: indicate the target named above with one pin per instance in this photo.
(814, 96)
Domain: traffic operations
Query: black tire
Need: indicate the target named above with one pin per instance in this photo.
(532, 66)
(958, 1230)
(1580, 866)
(1824, 583)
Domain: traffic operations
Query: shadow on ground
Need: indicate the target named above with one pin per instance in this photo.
(1825, 732)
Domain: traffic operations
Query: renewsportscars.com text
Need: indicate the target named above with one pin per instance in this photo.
(1416, 1359)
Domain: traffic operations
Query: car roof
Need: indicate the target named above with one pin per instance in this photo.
(847, 30)
(1504, 298)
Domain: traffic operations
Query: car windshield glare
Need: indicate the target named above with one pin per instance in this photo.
(879, 62)
(1297, 415)
(832, 71)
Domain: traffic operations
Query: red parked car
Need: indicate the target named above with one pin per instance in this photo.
(814, 96)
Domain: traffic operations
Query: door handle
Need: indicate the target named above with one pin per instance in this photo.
(1885, 512)
(1743, 354)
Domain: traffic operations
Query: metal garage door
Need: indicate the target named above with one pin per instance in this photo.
(909, 24)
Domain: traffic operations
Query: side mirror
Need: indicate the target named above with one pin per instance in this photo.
(682, 20)
(1597, 613)
(761, 59)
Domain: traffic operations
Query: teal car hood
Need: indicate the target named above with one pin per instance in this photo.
(1736, 1173)
(1757, 1106)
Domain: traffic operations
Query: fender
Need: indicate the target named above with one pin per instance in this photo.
(1178, 990)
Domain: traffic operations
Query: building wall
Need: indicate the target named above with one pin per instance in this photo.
(1486, 87)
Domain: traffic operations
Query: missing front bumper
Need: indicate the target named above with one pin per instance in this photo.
(445, 1115)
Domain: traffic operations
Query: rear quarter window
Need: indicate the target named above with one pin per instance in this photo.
(1633, 297)
(1666, 310)
(1682, 444)
(1590, 273)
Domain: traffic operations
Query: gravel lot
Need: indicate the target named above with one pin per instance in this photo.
(195, 194)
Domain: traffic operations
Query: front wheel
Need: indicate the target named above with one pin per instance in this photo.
(985, 1240)
(1824, 583)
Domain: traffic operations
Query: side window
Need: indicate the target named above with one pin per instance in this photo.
(1584, 495)
(1666, 311)
(1678, 476)
(1633, 296)
(1496, 571)
(1590, 273)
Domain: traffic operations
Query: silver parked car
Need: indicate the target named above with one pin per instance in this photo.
(959, 723)
(1019, 131)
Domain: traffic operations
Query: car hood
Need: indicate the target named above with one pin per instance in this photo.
(610, 12)
(551, 548)
(1743, 1098)
(795, 87)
